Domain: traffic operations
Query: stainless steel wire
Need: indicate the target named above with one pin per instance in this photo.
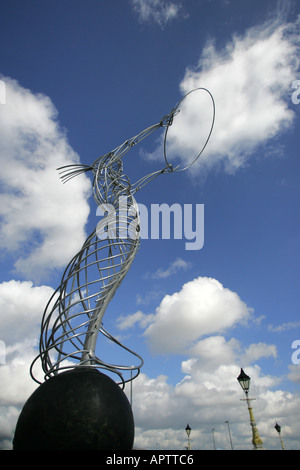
(73, 316)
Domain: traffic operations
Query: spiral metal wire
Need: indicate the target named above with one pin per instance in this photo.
(73, 316)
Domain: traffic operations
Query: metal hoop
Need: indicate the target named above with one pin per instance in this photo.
(176, 111)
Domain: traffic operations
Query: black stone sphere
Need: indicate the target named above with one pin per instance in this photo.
(81, 409)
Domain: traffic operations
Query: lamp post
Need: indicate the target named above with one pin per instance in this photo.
(227, 422)
(188, 432)
(278, 429)
(213, 435)
(244, 381)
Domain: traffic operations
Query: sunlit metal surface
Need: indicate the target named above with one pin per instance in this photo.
(73, 317)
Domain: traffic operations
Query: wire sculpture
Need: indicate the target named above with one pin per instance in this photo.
(73, 315)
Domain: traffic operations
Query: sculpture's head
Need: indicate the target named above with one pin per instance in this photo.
(108, 169)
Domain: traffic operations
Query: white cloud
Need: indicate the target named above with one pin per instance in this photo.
(210, 352)
(250, 80)
(16, 388)
(207, 395)
(22, 306)
(42, 227)
(42, 220)
(202, 307)
(158, 11)
(206, 398)
(257, 351)
(173, 268)
(16, 383)
(8, 419)
(294, 374)
(128, 321)
(284, 326)
(149, 391)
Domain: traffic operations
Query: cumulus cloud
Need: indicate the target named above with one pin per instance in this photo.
(202, 307)
(257, 351)
(22, 306)
(250, 80)
(16, 387)
(41, 227)
(206, 398)
(208, 393)
(209, 353)
(38, 214)
(294, 373)
(160, 12)
(16, 382)
(8, 418)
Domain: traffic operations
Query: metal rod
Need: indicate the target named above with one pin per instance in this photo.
(229, 435)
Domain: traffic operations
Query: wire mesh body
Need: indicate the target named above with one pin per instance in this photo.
(72, 319)
(73, 316)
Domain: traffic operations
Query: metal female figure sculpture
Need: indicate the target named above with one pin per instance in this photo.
(73, 316)
(77, 407)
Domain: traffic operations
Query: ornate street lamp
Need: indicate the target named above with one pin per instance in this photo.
(188, 432)
(278, 429)
(244, 381)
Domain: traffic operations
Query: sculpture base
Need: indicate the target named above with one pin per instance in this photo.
(81, 409)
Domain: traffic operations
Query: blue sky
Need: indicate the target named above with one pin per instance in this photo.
(80, 79)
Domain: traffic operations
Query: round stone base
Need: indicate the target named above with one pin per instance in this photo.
(81, 409)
